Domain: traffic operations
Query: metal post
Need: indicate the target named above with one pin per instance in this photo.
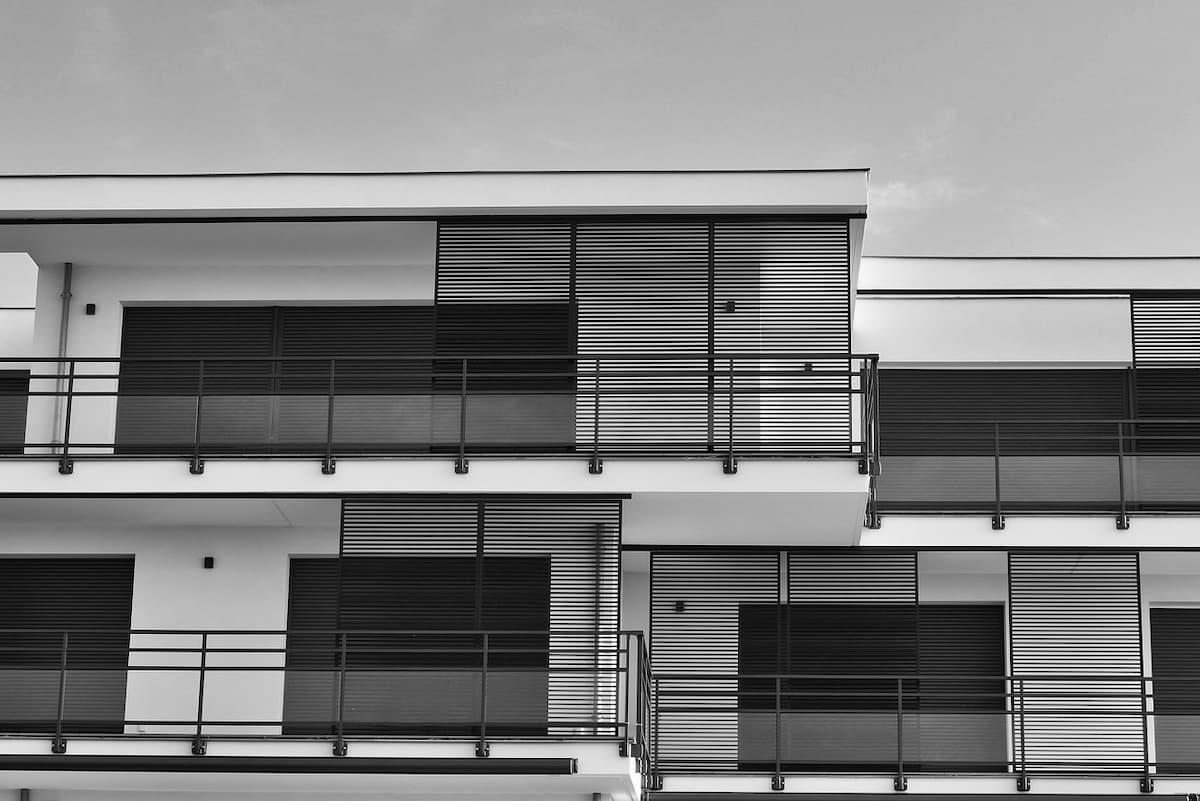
(900, 783)
(777, 779)
(461, 466)
(197, 466)
(339, 745)
(199, 747)
(1147, 783)
(998, 515)
(66, 465)
(864, 463)
(1122, 515)
(482, 748)
(329, 466)
(59, 744)
(596, 465)
(730, 467)
(1023, 783)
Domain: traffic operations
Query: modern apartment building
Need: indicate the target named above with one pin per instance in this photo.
(582, 486)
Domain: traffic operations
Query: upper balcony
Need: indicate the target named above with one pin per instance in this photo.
(673, 334)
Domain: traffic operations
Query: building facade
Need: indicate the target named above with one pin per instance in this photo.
(582, 486)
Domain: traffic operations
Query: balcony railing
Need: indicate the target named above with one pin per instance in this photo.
(589, 406)
(1048, 466)
(334, 686)
(775, 724)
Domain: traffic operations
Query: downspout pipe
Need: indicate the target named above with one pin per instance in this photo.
(64, 325)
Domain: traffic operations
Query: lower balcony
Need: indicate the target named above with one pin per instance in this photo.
(544, 711)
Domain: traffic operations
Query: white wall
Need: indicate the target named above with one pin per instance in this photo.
(18, 295)
(966, 330)
(247, 589)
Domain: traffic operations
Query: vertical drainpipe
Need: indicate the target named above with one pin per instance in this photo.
(60, 368)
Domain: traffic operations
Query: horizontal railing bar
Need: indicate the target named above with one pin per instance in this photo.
(603, 355)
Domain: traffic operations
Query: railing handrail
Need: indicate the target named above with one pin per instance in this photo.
(577, 355)
(591, 632)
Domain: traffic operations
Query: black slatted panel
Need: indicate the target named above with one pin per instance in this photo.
(1075, 631)
(938, 438)
(383, 402)
(157, 408)
(1175, 655)
(14, 401)
(541, 576)
(1166, 355)
(311, 658)
(91, 598)
(504, 262)
(697, 601)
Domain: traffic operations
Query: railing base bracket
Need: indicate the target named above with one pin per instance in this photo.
(462, 466)
(873, 521)
(628, 749)
(654, 782)
(328, 466)
(997, 522)
(1122, 522)
(1023, 784)
(595, 465)
(196, 467)
(864, 467)
(900, 784)
(482, 749)
(199, 746)
(729, 465)
(777, 783)
(1146, 785)
(339, 748)
(58, 745)
(66, 466)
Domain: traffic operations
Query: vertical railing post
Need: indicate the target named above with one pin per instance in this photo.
(199, 747)
(864, 385)
(482, 748)
(596, 465)
(328, 465)
(777, 779)
(461, 466)
(730, 465)
(1023, 783)
(998, 514)
(59, 744)
(339, 745)
(900, 782)
(66, 465)
(197, 464)
(1123, 512)
(1147, 782)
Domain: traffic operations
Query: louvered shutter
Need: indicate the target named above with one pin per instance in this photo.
(1075, 642)
(1175, 657)
(156, 410)
(14, 402)
(938, 438)
(91, 600)
(382, 401)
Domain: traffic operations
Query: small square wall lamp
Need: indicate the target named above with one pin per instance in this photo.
(209, 563)
(89, 309)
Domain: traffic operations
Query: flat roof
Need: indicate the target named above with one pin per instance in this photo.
(955, 275)
(416, 195)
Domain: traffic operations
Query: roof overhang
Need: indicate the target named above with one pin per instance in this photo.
(931, 275)
(429, 194)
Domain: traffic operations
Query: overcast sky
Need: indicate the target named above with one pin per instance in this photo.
(1002, 127)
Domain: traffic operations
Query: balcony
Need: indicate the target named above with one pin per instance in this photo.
(257, 700)
(630, 422)
(1041, 467)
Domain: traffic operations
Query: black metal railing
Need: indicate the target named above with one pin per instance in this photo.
(590, 406)
(1045, 466)
(775, 724)
(330, 685)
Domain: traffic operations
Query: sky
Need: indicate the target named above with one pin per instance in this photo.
(1052, 127)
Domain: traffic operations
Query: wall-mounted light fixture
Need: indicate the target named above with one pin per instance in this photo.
(209, 563)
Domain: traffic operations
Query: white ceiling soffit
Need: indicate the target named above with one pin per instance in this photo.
(940, 275)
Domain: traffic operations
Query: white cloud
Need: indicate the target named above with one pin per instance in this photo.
(927, 193)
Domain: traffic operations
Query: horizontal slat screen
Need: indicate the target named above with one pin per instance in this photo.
(91, 599)
(1075, 628)
(14, 402)
(541, 575)
(1175, 656)
(1166, 353)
